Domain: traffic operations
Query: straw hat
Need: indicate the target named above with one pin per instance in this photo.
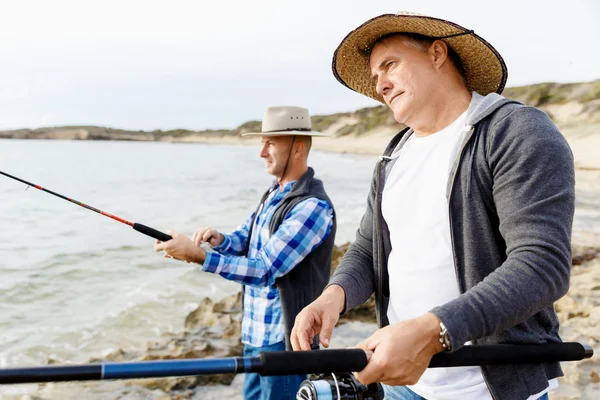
(485, 69)
(286, 120)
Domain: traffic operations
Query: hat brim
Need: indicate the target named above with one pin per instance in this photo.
(287, 133)
(485, 69)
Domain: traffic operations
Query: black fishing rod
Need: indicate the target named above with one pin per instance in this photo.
(146, 230)
(292, 363)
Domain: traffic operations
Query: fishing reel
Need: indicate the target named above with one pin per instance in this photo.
(342, 386)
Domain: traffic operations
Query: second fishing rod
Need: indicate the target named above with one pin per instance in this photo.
(292, 363)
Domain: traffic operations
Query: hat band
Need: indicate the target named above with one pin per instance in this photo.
(455, 35)
(289, 130)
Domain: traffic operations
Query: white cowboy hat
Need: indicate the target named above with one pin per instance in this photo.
(485, 69)
(286, 120)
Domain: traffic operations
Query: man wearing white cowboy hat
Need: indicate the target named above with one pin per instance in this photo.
(281, 254)
(467, 233)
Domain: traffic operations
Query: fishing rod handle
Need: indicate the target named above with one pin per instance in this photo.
(146, 230)
(312, 362)
(326, 361)
(494, 354)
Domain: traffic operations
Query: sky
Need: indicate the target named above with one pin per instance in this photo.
(197, 64)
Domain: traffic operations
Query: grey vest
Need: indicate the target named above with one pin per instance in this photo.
(306, 281)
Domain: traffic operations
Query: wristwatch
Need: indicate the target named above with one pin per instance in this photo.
(444, 337)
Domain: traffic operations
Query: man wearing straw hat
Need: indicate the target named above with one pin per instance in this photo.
(281, 254)
(467, 234)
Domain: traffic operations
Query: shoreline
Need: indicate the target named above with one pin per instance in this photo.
(582, 140)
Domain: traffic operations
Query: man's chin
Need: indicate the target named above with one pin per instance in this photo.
(399, 115)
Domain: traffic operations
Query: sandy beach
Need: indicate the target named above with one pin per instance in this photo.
(582, 137)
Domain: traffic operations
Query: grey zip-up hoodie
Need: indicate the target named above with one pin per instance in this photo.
(511, 195)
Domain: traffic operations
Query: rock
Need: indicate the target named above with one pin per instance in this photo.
(224, 316)
(363, 313)
(117, 355)
(565, 303)
(213, 330)
(52, 360)
(581, 255)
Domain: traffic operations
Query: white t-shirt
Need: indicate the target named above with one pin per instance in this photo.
(420, 264)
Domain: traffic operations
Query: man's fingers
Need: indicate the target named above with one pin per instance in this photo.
(304, 326)
(374, 370)
(204, 235)
(199, 236)
(327, 330)
(294, 339)
(323, 341)
(304, 340)
(208, 234)
(159, 246)
(371, 373)
(370, 343)
(362, 345)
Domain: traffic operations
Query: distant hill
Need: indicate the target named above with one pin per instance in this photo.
(564, 103)
(567, 104)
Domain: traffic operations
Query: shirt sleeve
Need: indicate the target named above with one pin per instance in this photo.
(303, 229)
(234, 244)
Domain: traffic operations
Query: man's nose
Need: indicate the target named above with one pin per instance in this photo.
(263, 152)
(383, 86)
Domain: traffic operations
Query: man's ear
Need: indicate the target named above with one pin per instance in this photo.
(439, 52)
(299, 148)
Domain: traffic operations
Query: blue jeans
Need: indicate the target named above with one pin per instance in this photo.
(258, 387)
(400, 393)
(404, 393)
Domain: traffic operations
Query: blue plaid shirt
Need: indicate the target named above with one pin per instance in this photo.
(269, 257)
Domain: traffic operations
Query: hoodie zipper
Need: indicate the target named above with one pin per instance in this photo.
(449, 195)
(378, 194)
(453, 179)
